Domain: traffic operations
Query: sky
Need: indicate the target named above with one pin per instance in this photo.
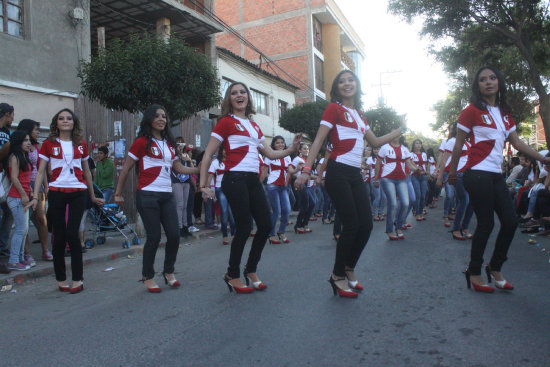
(415, 82)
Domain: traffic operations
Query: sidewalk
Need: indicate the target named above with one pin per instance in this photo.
(110, 250)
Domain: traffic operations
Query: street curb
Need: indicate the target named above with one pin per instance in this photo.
(38, 273)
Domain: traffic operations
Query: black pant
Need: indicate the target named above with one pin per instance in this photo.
(489, 194)
(246, 198)
(66, 232)
(306, 203)
(348, 194)
(156, 208)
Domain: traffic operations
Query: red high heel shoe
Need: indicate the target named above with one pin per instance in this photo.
(172, 283)
(299, 230)
(63, 288)
(283, 238)
(345, 293)
(308, 230)
(259, 285)
(500, 284)
(78, 289)
(484, 288)
(239, 290)
(155, 289)
(274, 242)
(354, 284)
(392, 238)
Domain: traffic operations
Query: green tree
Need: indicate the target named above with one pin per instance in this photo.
(517, 30)
(382, 120)
(132, 74)
(304, 118)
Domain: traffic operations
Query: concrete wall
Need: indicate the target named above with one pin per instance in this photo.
(235, 71)
(38, 73)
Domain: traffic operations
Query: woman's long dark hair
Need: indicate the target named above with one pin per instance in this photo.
(76, 134)
(16, 140)
(28, 125)
(430, 153)
(335, 93)
(421, 145)
(146, 126)
(477, 99)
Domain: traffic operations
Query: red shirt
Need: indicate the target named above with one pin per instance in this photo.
(66, 163)
(241, 140)
(25, 180)
(154, 164)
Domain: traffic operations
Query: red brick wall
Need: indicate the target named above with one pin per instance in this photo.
(257, 9)
(278, 37)
(228, 10)
(230, 42)
(296, 66)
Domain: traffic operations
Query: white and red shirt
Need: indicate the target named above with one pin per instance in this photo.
(488, 131)
(299, 163)
(432, 164)
(420, 160)
(442, 146)
(155, 164)
(217, 169)
(277, 170)
(346, 135)
(394, 161)
(371, 163)
(463, 155)
(241, 139)
(66, 163)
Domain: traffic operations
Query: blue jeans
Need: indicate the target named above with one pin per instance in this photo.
(6, 219)
(306, 201)
(190, 206)
(420, 184)
(328, 208)
(449, 196)
(108, 194)
(225, 213)
(21, 218)
(393, 189)
(280, 204)
(412, 199)
(379, 202)
(208, 219)
(291, 196)
(462, 200)
(318, 199)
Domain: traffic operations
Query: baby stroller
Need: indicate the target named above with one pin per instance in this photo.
(109, 218)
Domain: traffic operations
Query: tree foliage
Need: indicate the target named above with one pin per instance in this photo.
(132, 74)
(304, 118)
(511, 35)
(382, 120)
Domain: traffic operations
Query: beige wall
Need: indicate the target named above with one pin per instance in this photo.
(34, 105)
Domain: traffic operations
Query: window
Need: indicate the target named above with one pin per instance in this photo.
(319, 74)
(317, 34)
(225, 84)
(11, 17)
(260, 101)
(283, 106)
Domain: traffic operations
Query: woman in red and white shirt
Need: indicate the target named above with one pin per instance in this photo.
(393, 180)
(242, 138)
(347, 128)
(277, 191)
(488, 123)
(67, 155)
(306, 196)
(419, 179)
(155, 151)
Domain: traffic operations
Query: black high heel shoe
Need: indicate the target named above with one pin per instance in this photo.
(172, 283)
(346, 293)
(477, 287)
(240, 290)
(500, 284)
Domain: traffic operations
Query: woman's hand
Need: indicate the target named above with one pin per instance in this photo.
(207, 193)
(119, 199)
(296, 142)
(24, 200)
(376, 183)
(98, 201)
(301, 180)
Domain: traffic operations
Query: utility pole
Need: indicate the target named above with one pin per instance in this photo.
(381, 101)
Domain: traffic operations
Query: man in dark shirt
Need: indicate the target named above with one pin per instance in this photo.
(6, 219)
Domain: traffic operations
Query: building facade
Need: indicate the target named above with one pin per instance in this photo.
(310, 39)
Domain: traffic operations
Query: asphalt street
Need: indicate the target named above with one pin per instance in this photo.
(415, 309)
